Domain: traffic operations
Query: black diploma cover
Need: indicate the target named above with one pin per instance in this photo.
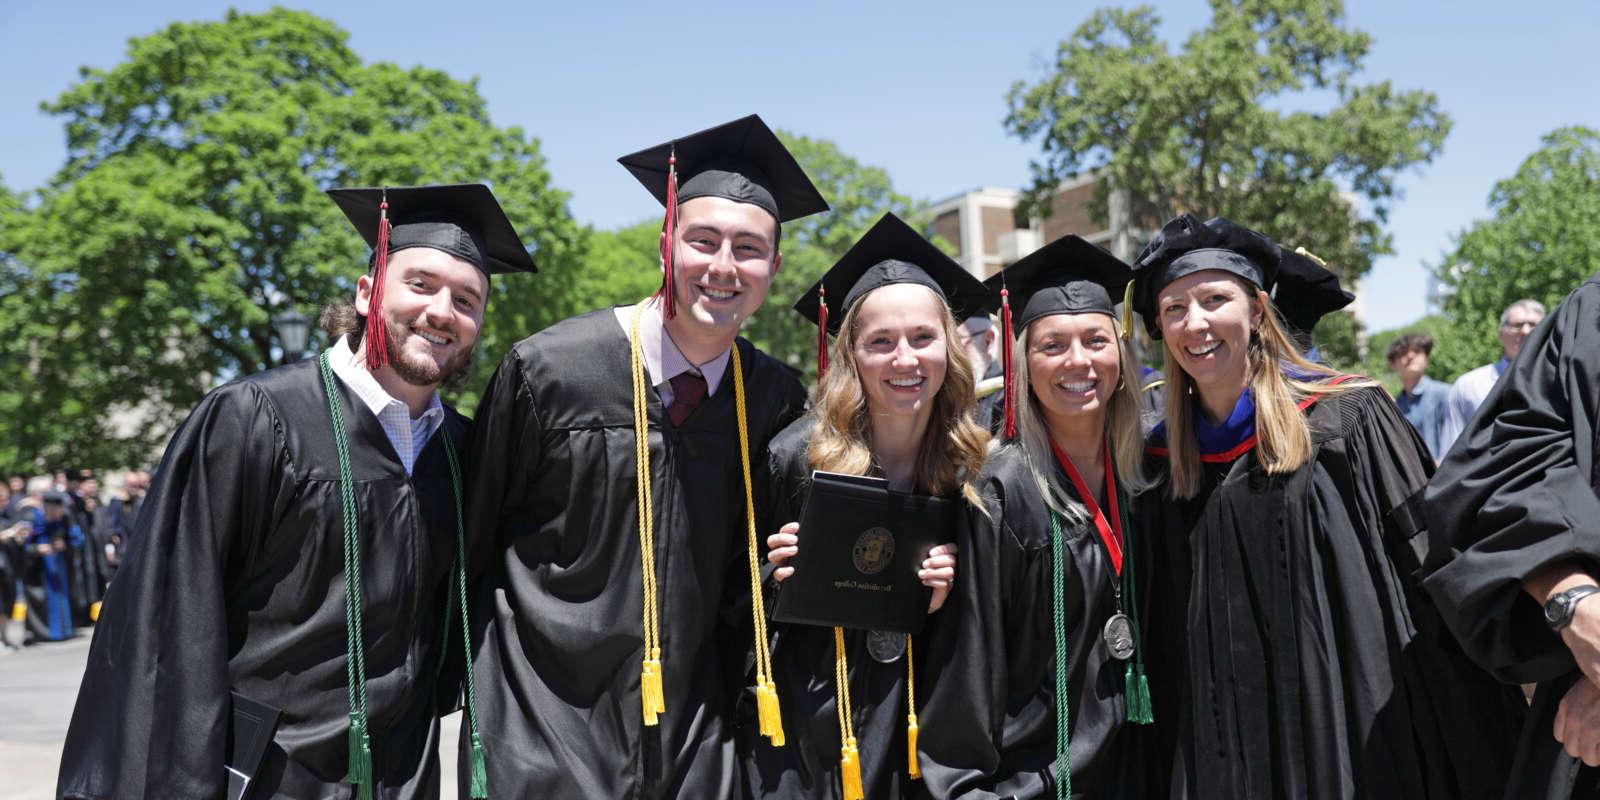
(252, 729)
(860, 548)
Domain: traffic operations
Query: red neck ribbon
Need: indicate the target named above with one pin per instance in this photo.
(1110, 530)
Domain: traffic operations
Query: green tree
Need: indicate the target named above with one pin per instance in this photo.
(1208, 129)
(190, 213)
(1540, 244)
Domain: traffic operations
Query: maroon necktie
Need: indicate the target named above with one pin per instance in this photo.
(688, 389)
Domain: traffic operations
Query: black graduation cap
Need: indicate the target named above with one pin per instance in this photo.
(1067, 276)
(1185, 245)
(890, 252)
(464, 220)
(742, 160)
(1307, 291)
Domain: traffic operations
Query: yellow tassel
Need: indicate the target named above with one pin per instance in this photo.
(94, 611)
(771, 717)
(850, 766)
(913, 766)
(19, 611)
(1127, 312)
(650, 690)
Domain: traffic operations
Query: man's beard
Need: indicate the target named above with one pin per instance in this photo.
(421, 370)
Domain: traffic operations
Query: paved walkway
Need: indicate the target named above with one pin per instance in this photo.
(38, 686)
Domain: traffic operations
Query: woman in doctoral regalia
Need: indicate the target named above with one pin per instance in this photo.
(1291, 650)
(1035, 682)
(894, 403)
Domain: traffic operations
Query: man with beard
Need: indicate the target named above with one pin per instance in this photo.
(289, 583)
(613, 518)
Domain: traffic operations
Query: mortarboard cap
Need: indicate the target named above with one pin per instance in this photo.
(1067, 276)
(464, 220)
(742, 160)
(1185, 246)
(890, 252)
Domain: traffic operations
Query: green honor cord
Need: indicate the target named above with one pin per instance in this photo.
(1058, 575)
(1136, 693)
(360, 774)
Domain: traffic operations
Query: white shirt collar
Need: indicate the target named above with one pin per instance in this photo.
(662, 358)
(348, 367)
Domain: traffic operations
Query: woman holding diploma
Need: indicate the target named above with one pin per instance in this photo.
(894, 403)
(1035, 674)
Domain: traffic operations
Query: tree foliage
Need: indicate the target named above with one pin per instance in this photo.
(190, 213)
(1540, 243)
(1207, 129)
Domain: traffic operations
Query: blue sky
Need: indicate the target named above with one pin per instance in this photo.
(917, 88)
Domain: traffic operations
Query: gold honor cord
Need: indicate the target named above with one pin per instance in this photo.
(650, 692)
(768, 714)
(650, 680)
(849, 756)
(913, 766)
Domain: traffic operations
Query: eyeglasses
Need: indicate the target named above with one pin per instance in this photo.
(1519, 326)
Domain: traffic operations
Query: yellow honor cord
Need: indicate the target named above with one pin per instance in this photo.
(913, 766)
(768, 715)
(849, 756)
(19, 610)
(651, 695)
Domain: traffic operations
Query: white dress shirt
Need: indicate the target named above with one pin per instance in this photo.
(406, 434)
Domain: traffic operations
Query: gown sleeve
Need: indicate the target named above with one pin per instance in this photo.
(1517, 495)
(151, 718)
(506, 451)
(962, 717)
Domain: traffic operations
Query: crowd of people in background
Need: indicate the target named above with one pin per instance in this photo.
(62, 537)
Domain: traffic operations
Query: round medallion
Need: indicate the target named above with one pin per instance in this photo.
(1118, 634)
(873, 551)
(886, 647)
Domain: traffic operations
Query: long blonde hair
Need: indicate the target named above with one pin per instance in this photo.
(1123, 431)
(953, 446)
(1283, 436)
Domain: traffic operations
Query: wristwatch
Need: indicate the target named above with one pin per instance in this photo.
(1559, 608)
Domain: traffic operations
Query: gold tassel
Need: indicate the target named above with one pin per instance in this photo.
(850, 766)
(771, 717)
(19, 611)
(913, 766)
(94, 611)
(650, 687)
(1127, 312)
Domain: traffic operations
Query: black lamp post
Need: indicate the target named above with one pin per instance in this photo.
(294, 329)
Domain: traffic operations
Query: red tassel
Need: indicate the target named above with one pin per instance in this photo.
(377, 333)
(668, 304)
(822, 332)
(1005, 364)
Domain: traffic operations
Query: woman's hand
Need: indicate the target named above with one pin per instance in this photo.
(939, 573)
(781, 547)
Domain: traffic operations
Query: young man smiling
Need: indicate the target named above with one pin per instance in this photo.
(612, 515)
(293, 557)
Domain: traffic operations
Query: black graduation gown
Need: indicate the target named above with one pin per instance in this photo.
(235, 582)
(1292, 652)
(988, 725)
(560, 608)
(803, 658)
(1519, 492)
